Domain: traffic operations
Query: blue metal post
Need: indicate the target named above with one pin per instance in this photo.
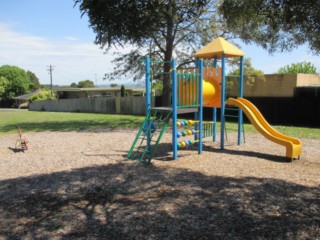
(223, 96)
(200, 64)
(148, 83)
(215, 62)
(148, 101)
(196, 114)
(174, 110)
(214, 110)
(240, 115)
(241, 76)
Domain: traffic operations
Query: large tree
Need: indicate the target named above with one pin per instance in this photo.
(162, 29)
(276, 25)
(18, 82)
(173, 28)
(34, 81)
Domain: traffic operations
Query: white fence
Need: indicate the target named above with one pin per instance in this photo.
(115, 105)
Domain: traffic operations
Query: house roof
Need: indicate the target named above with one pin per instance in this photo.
(218, 47)
(28, 95)
(100, 89)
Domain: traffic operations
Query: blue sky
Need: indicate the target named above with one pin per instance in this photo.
(37, 33)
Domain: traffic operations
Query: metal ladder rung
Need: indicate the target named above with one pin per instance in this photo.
(143, 151)
(232, 109)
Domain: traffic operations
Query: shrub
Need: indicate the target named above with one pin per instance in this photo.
(44, 95)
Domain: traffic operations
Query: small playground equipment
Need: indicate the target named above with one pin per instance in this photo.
(292, 145)
(193, 89)
(22, 141)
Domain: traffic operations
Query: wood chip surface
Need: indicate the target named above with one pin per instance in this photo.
(80, 185)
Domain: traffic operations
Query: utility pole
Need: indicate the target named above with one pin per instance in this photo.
(96, 81)
(50, 72)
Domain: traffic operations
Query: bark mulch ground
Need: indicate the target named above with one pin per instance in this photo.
(79, 185)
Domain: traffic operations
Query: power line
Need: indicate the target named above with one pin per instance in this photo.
(50, 72)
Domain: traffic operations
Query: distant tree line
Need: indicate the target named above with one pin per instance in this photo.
(83, 84)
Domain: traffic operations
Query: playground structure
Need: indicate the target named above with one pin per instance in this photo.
(193, 89)
(292, 145)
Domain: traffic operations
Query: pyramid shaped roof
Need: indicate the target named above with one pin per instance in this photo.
(218, 47)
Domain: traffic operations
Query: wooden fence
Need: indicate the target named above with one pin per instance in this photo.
(115, 105)
(301, 110)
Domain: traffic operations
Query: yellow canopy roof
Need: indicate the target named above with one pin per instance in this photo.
(216, 48)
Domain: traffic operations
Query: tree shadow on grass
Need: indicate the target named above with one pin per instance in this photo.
(132, 201)
(84, 125)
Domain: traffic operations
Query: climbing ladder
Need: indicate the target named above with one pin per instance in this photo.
(233, 113)
(152, 129)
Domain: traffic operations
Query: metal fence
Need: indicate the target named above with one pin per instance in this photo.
(295, 111)
(303, 109)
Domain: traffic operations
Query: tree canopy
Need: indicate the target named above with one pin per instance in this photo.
(15, 81)
(275, 25)
(34, 81)
(159, 28)
(250, 73)
(85, 84)
(3, 85)
(164, 29)
(18, 82)
(73, 85)
(140, 22)
(301, 67)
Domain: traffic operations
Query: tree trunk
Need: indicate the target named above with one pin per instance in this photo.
(166, 93)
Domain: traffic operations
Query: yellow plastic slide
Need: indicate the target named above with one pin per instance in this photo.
(292, 145)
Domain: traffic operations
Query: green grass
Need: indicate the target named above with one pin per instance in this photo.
(313, 133)
(298, 132)
(53, 121)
